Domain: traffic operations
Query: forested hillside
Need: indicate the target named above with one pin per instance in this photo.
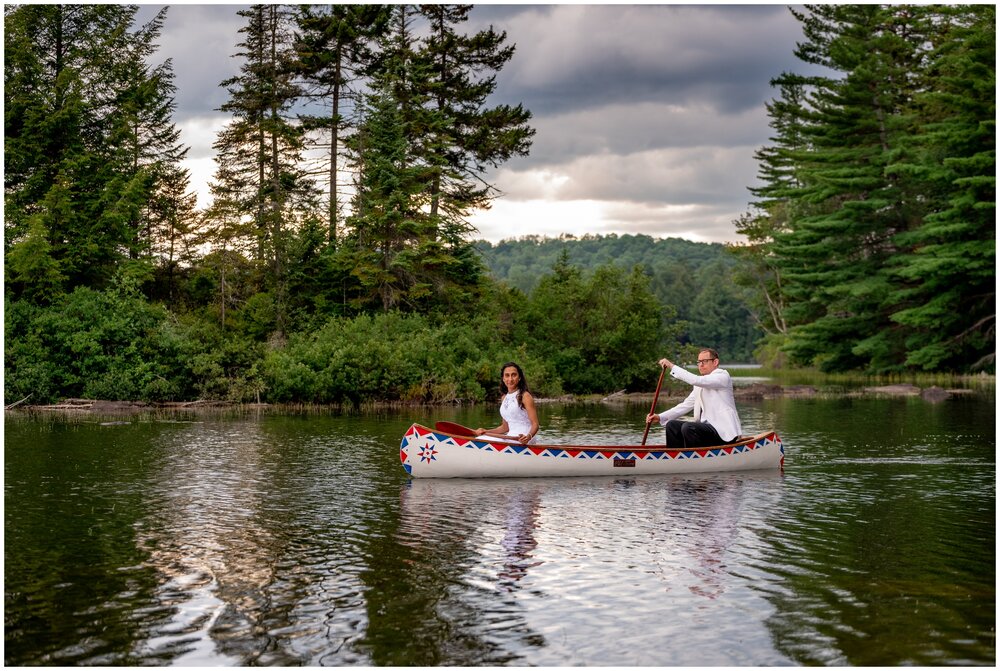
(694, 279)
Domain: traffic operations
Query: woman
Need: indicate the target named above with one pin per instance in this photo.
(520, 421)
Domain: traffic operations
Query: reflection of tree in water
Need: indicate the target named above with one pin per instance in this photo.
(427, 594)
(883, 564)
(254, 553)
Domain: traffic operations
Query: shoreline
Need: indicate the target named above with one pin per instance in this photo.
(752, 392)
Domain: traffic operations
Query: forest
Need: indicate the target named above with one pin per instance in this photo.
(356, 277)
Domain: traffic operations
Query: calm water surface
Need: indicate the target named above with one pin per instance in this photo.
(299, 540)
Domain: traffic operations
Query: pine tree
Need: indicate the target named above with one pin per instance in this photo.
(333, 49)
(878, 211)
(87, 121)
(945, 293)
(227, 230)
(463, 137)
(848, 209)
(136, 110)
(409, 255)
(172, 226)
(30, 267)
(262, 147)
(386, 245)
(759, 270)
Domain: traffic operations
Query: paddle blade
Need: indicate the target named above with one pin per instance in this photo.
(454, 429)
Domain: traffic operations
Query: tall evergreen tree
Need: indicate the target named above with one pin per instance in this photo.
(262, 146)
(45, 86)
(848, 209)
(232, 235)
(435, 266)
(759, 271)
(172, 227)
(144, 147)
(463, 137)
(945, 294)
(878, 205)
(389, 229)
(86, 121)
(333, 48)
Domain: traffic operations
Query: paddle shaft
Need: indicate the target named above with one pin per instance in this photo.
(652, 408)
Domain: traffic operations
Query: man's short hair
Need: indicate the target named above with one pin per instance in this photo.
(715, 355)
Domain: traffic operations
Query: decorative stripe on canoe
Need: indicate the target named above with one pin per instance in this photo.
(426, 452)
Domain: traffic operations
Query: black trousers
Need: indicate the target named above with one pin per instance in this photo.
(692, 434)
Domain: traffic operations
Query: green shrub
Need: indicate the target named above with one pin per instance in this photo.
(393, 357)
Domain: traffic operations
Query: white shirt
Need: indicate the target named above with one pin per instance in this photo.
(711, 401)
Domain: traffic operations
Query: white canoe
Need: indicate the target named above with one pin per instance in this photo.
(428, 453)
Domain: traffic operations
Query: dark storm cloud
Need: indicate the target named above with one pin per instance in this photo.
(647, 107)
(201, 41)
(572, 56)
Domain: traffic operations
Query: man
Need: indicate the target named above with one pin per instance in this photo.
(716, 421)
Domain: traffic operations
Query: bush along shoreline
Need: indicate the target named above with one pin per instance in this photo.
(115, 346)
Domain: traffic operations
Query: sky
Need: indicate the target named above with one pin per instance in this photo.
(647, 116)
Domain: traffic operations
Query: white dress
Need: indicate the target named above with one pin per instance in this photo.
(516, 417)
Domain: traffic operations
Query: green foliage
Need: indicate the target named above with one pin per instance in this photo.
(87, 139)
(946, 297)
(719, 316)
(333, 49)
(681, 274)
(262, 188)
(394, 356)
(602, 332)
(873, 244)
(31, 270)
(87, 344)
(460, 137)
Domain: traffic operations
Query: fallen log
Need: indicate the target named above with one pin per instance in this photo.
(14, 405)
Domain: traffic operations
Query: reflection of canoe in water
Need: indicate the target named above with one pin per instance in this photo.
(428, 453)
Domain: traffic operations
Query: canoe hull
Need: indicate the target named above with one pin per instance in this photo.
(426, 453)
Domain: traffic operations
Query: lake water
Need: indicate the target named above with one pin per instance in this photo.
(299, 540)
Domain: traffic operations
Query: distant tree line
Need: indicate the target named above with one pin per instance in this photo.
(694, 280)
(872, 241)
(335, 261)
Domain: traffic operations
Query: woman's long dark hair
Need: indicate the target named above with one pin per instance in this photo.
(522, 384)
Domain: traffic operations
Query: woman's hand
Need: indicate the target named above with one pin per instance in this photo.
(524, 438)
(479, 431)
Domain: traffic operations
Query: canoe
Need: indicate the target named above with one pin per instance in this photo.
(432, 453)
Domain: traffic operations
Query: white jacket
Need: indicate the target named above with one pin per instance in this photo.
(711, 400)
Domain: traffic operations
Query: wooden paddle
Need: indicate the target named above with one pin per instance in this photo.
(454, 429)
(652, 409)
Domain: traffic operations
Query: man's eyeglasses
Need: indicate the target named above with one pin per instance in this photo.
(701, 361)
